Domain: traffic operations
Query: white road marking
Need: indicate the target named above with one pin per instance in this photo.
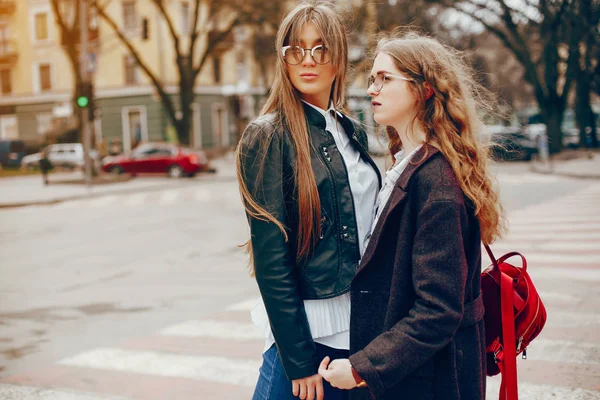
(215, 329)
(216, 369)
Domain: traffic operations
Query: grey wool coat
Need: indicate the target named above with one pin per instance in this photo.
(416, 330)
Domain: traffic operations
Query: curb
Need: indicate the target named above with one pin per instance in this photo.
(154, 188)
(565, 174)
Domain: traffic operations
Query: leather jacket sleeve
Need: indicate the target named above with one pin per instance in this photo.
(263, 160)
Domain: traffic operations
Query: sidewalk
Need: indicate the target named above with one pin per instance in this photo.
(29, 190)
(579, 164)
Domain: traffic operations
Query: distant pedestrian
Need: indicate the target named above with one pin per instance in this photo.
(416, 328)
(45, 166)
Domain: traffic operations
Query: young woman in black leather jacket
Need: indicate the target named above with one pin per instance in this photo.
(309, 188)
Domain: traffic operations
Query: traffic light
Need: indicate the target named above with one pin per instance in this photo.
(83, 94)
(85, 98)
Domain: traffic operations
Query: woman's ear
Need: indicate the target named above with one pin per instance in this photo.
(428, 90)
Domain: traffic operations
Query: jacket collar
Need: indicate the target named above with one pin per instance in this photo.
(398, 194)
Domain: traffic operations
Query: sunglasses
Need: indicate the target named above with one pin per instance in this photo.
(294, 55)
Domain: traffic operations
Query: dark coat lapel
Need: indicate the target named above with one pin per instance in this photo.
(396, 198)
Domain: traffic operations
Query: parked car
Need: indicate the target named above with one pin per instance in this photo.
(66, 155)
(11, 152)
(510, 143)
(166, 158)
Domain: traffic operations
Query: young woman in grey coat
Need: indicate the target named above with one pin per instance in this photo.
(416, 328)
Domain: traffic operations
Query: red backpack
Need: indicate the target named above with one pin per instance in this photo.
(514, 316)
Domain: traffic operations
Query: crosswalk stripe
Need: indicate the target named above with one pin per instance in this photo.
(102, 201)
(217, 369)
(562, 319)
(551, 235)
(526, 220)
(168, 197)
(245, 305)
(531, 391)
(18, 392)
(573, 227)
(541, 258)
(217, 329)
(135, 199)
(564, 351)
(202, 194)
(555, 246)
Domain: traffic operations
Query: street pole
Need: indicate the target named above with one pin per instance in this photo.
(83, 64)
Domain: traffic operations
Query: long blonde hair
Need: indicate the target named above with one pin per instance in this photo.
(450, 118)
(285, 102)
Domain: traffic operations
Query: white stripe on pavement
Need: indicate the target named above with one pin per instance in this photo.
(529, 391)
(547, 228)
(553, 236)
(525, 220)
(556, 246)
(563, 351)
(216, 369)
(102, 201)
(168, 197)
(572, 320)
(558, 297)
(18, 392)
(214, 329)
(541, 258)
(246, 305)
(202, 194)
(135, 199)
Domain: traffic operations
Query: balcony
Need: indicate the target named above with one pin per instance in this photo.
(8, 52)
(7, 7)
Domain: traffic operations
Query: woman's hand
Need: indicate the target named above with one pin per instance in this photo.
(338, 373)
(305, 388)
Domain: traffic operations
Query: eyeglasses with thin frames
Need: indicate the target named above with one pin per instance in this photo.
(294, 55)
(378, 80)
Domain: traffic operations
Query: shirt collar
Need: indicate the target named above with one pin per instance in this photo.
(323, 112)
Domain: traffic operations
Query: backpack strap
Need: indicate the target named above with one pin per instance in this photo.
(506, 355)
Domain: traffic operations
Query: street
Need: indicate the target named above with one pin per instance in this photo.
(147, 295)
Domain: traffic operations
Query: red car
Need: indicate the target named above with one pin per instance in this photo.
(167, 158)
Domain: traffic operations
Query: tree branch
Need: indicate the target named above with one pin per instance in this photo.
(159, 4)
(157, 83)
(194, 35)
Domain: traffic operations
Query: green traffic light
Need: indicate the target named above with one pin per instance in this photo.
(82, 101)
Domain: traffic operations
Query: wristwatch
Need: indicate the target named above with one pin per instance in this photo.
(360, 382)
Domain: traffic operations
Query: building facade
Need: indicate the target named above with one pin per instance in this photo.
(37, 79)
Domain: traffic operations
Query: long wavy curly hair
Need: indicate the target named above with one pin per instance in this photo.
(285, 102)
(450, 118)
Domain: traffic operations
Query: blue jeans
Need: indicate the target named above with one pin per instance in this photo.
(273, 384)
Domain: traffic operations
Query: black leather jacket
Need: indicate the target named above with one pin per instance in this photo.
(267, 165)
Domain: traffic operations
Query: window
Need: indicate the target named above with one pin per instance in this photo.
(44, 123)
(217, 69)
(131, 75)
(41, 26)
(5, 81)
(45, 80)
(129, 16)
(185, 17)
(9, 127)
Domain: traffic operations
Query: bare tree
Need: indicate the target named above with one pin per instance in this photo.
(585, 16)
(538, 34)
(66, 16)
(207, 16)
